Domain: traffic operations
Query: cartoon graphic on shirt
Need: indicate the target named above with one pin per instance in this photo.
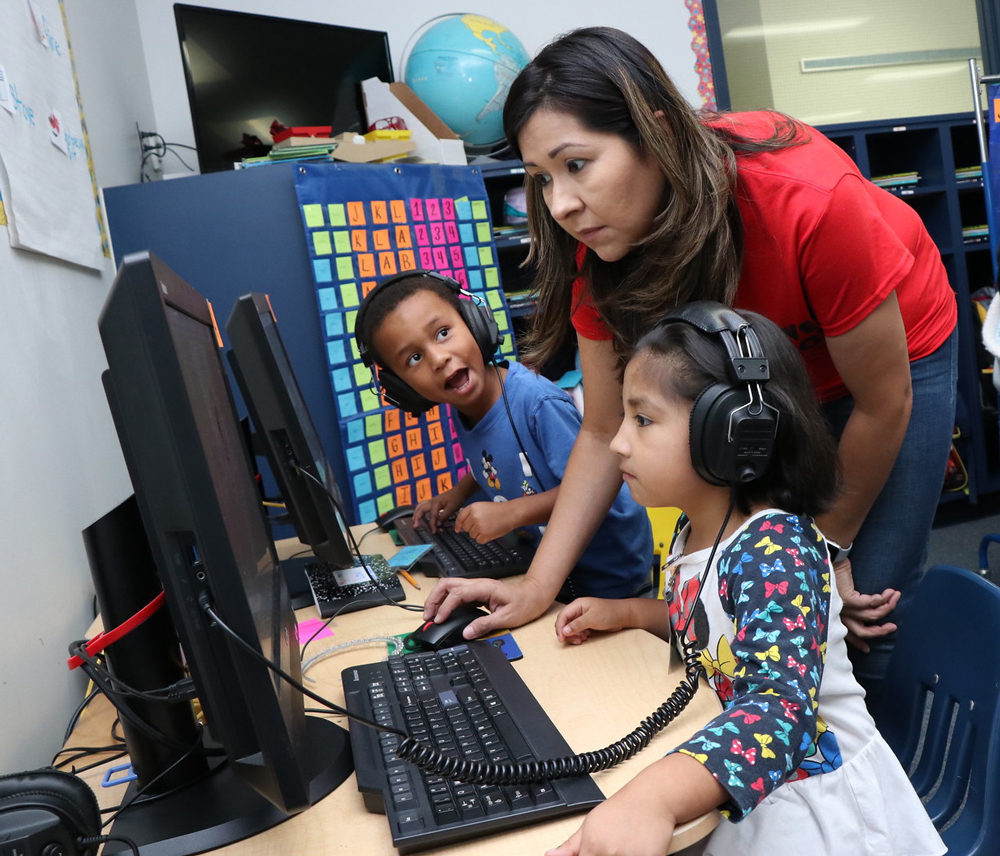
(527, 489)
(490, 471)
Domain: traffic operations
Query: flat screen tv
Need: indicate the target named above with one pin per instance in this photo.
(211, 548)
(244, 71)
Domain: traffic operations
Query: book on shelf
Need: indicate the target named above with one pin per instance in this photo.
(969, 173)
(898, 179)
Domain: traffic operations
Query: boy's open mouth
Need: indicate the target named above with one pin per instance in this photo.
(458, 381)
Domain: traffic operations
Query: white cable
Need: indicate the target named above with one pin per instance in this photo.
(394, 646)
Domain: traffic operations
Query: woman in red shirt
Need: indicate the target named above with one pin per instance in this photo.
(638, 204)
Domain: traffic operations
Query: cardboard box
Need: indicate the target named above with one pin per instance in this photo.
(434, 141)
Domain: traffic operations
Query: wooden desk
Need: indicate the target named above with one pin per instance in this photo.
(595, 693)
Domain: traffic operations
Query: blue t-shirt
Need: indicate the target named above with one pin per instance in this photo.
(618, 561)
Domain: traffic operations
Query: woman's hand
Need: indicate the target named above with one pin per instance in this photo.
(511, 603)
(585, 615)
(485, 521)
(861, 613)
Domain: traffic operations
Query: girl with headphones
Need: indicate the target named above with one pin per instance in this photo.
(720, 420)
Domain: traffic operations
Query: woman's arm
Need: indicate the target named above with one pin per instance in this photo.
(873, 362)
(588, 489)
(592, 478)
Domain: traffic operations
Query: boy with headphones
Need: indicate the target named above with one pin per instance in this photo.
(429, 343)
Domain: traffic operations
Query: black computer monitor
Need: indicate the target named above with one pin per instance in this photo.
(284, 430)
(211, 547)
(244, 70)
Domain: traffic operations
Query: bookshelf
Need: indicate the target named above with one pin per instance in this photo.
(512, 249)
(932, 163)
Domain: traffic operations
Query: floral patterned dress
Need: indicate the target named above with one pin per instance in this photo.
(794, 746)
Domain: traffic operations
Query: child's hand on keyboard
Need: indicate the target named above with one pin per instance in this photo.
(484, 521)
(437, 509)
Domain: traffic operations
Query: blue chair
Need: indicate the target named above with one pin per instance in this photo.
(939, 709)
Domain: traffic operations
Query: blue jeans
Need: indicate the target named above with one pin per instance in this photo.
(891, 549)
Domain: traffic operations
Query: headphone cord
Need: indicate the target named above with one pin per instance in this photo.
(517, 437)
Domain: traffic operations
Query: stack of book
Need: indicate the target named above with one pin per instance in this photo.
(897, 180)
(969, 173)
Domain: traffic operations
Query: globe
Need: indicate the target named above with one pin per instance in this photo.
(461, 67)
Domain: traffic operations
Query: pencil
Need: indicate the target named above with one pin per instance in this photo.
(409, 578)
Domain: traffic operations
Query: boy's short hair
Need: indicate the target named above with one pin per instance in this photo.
(383, 301)
(803, 475)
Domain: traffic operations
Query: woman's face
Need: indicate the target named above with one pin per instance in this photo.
(596, 185)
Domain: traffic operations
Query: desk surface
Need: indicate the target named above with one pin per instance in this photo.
(595, 693)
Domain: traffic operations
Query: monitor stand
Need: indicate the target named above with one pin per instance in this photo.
(221, 808)
(299, 590)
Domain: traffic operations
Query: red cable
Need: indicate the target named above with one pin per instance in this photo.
(105, 638)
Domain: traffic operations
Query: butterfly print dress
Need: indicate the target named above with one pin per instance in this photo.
(794, 747)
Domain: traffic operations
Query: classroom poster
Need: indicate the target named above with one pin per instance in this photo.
(365, 222)
(46, 177)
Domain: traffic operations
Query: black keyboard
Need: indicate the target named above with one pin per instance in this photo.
(455, 554)
(468, 701)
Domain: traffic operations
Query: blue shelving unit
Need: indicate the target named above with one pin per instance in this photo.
(948, 194)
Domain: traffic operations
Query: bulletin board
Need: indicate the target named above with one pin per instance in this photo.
(365, 222)
(50, 202)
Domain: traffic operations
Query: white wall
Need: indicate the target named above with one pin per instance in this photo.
(60, 462)
(662, 26)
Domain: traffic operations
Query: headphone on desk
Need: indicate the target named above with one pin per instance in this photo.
(732, 428)
(475, 314)
(49, 811)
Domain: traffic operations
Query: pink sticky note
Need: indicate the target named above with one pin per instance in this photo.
(311, 625)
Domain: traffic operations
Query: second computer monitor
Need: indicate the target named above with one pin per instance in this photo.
(285, 431)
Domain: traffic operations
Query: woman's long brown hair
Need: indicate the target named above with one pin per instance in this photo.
(612, 84)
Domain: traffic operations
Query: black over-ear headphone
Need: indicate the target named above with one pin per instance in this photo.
(48, 812)
(732, 428)
(475, 314)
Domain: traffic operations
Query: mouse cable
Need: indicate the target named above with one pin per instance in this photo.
(517, 437)
(203, 602)
(432, 760)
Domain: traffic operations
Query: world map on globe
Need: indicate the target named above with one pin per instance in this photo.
(462, 68)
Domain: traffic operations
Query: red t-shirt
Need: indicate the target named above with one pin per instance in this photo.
(823, 248)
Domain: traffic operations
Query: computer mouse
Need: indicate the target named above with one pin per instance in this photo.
(385, 521)
(431, 637)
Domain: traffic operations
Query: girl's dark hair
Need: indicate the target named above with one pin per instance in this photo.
(612, 84)
(803, 475)
(382, 301)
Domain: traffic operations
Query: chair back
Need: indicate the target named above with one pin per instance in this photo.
(939, 708)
